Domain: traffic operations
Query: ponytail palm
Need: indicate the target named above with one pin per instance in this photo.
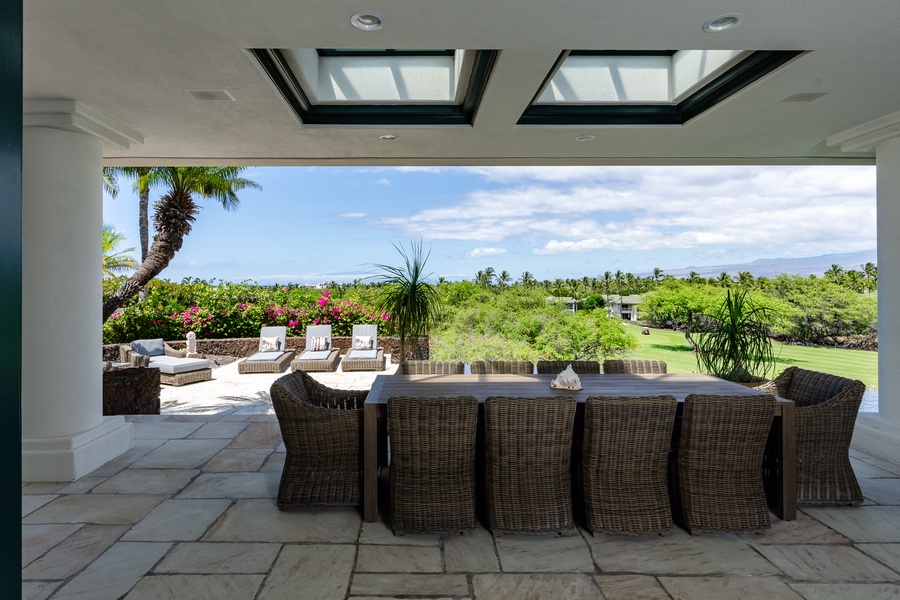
(734, 342)
(411, 300)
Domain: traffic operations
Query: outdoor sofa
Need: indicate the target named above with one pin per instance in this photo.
(174, 366)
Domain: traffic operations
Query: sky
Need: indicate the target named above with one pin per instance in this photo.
(310, 225)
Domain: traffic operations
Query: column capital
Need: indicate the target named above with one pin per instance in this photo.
(868, 135)
(71, 115)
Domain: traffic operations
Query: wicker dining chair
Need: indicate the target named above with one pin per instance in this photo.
(631, 365)
(322, 431)
(502, 367)
(554, 367)
(624, 464)
(432, 481)
(826, 410)
(716, 475)
(432, 367)
(528, 457)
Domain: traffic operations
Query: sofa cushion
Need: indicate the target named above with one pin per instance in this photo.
(173, 366)
(149, 347)
(363, 355)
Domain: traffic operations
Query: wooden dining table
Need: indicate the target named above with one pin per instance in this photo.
(779, 470)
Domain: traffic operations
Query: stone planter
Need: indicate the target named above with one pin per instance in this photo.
(131, 391)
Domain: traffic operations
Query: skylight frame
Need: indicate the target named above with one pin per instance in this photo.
(277, 68)
(753, 67)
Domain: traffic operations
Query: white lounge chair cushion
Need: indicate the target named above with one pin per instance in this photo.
(265, 356)
(363, 355)
(173, 366)
(315, 355)
(149, 347)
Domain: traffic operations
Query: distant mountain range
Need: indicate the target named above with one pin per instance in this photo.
(772, 267)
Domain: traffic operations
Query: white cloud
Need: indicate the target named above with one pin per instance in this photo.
(482, 252)
(789, 211)
(383, 181)
(354, 215)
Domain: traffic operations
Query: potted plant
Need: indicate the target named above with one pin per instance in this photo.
(733, 343)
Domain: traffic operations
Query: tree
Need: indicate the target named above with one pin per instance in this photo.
(141, 175)
(412, 301)
(733, 343)
(527, 280)
(503, 279)
(115, 261)
(657, 274)
(174, 213)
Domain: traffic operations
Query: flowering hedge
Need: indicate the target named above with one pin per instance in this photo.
(224, 315)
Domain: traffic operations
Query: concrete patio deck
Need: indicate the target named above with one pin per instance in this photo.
(189, 513)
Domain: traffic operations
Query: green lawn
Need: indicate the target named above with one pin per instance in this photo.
(671, 347)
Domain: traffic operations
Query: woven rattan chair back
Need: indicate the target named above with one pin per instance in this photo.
(624, 464)
(631, 365)
(554, 367)
(432, 367)
(528, 457)
(321, 428)
(826, 410)
(716, 475)
(432, 482)
(501, 367)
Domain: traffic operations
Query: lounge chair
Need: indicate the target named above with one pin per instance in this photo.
(272, 356)
(174, 366)
(364, 353)
(320, 354)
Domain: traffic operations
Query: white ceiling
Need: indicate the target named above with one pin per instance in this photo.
(135, 60)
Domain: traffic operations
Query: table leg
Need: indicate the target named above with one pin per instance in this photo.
(789, 462)
(779, 466)
(370, 462)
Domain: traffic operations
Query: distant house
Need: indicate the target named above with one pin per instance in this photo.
(623, 307)
(570, 304)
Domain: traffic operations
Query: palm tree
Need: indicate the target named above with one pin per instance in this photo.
(607, 281)
(527, 280)
(115, 261)
(745, 279)
(175, 211)
(657, 274)
(724, 280)
(412, 301)
(141, 176)
(504, 278)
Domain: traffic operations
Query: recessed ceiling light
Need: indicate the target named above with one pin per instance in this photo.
(367, 20)
(723, 22)
(585, 138)
(387, 138)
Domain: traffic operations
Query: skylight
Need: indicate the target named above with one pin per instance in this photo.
(644, 87)
(375, 86)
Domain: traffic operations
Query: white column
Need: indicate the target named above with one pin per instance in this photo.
(879, 434)
(64, 432)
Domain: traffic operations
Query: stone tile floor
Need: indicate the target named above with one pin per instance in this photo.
(189, 513)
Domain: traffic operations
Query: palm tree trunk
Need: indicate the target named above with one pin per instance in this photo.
(165, 244)
(143, 228)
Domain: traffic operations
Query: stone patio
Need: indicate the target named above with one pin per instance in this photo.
(190, 512)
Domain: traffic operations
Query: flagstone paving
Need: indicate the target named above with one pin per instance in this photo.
(190, 512)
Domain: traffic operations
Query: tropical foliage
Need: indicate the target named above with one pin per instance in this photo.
(733, 342)
(408, 296)
(174, 214)
(115, 260)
